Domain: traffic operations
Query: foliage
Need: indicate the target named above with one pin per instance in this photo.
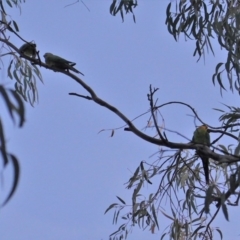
(178, 176)
(20, 70)
(180, 192)
(121, 5)
(203, 21)
(24, 75)
(14, 107)
(199, 21)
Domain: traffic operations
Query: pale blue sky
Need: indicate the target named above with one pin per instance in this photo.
(70, 173)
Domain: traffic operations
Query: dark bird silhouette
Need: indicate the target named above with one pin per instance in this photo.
(202, 136)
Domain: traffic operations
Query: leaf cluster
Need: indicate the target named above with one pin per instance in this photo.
(202, 23)
(15, 107)
(119, 6)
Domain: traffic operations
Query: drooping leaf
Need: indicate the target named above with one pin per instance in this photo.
(225, 211)
(154, 215)
(208, 199)
(3, 145)
(110, 207)
(16, 171)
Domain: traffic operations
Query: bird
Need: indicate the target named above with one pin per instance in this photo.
(29, 49)
(202, 136)
(59, 63)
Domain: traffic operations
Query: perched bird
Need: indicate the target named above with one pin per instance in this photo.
(29, 49)
(202, 136)
(59, 63)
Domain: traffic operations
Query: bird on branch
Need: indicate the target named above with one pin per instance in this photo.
(202, 136)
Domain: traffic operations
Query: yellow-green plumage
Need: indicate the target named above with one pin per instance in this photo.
(202, 136)
(29, 49)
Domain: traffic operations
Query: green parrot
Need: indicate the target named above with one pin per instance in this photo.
(29, 49)
(202, 136)
(59, 63)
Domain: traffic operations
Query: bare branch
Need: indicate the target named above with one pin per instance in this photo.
(79, 95)
(153, 108)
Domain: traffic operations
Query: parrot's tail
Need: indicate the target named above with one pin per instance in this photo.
(205, 168)
(75, 70)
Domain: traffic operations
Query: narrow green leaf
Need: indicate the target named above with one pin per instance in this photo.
(126, 233)
(29, 98)
(168, 13)
(169, 29)
(210, 45)
(196, 230)
(121, 13)
(232, 183)
(223, 148)
(167, 215)
(154, 215)
(220, 233)
(134, 19)
(163, 236)
(225, 211)
(25, 85)
(120, 6)
(110, 207)
(141, 165)
(7, 101)
(198, 49)
(1, 5)
(137, 189)
(216, 109)
(114, 233)
(15, 26)
(218, 66)
(3, 145)
(9, 3)
(4, 20)
(238, 175)
(30, 73)
(116, 218)
(208, 199)
(9, 69)
(16, 170)
(193, 204)
(221, 42)
(21, 109)
(227, 64)
(120, 200)
(16, 76)
(112, 7)
(114, 215)
(133, 178)
(119, 229)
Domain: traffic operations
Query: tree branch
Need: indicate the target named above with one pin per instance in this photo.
(93, 96)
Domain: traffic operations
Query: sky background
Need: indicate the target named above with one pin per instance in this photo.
(70, 174)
